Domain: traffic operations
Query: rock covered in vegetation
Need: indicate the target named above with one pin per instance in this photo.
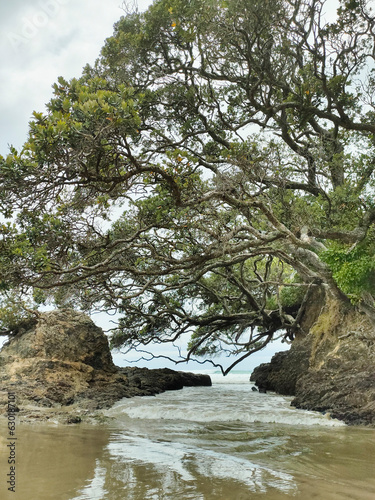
(64, 360)
(331, 369)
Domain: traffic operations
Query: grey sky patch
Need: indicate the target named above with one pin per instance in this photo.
(41, 40)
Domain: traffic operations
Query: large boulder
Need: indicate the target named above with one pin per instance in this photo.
(331, 368)
(63, 335)
(63, 359)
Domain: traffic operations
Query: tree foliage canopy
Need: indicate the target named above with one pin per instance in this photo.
(212, 169)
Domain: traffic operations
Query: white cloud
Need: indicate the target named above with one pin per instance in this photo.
(43, 39)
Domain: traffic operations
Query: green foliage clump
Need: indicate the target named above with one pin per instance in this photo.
(292, 295)
(289, 297)
(14, 313)
(353, 268)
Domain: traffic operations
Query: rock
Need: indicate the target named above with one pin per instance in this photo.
(64, 361)
(73, 420)
(343, 383)
(285, 368)
(163, 379)
(331, 368)
(65, 336)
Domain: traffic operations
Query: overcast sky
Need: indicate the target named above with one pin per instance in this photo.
(41, 40)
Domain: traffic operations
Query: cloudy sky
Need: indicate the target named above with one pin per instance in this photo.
(41, 40)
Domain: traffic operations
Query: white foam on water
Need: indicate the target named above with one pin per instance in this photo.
(221, 403)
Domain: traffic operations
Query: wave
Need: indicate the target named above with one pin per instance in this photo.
(221, 403)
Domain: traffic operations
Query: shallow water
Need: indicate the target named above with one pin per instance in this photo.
(220, 443)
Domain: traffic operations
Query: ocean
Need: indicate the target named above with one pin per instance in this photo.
(223, 442)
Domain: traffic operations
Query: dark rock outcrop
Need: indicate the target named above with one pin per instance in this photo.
(64, 361)
(330, 369)
(285, 368)
(162, 379)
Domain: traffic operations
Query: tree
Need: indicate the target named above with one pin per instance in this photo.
(232, 144)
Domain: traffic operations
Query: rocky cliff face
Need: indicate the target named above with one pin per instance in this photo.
(64, 361)
(331, 368)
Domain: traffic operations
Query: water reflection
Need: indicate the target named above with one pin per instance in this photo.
(187, 466)
(146, 457)
(320, 465)
(53, 462)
